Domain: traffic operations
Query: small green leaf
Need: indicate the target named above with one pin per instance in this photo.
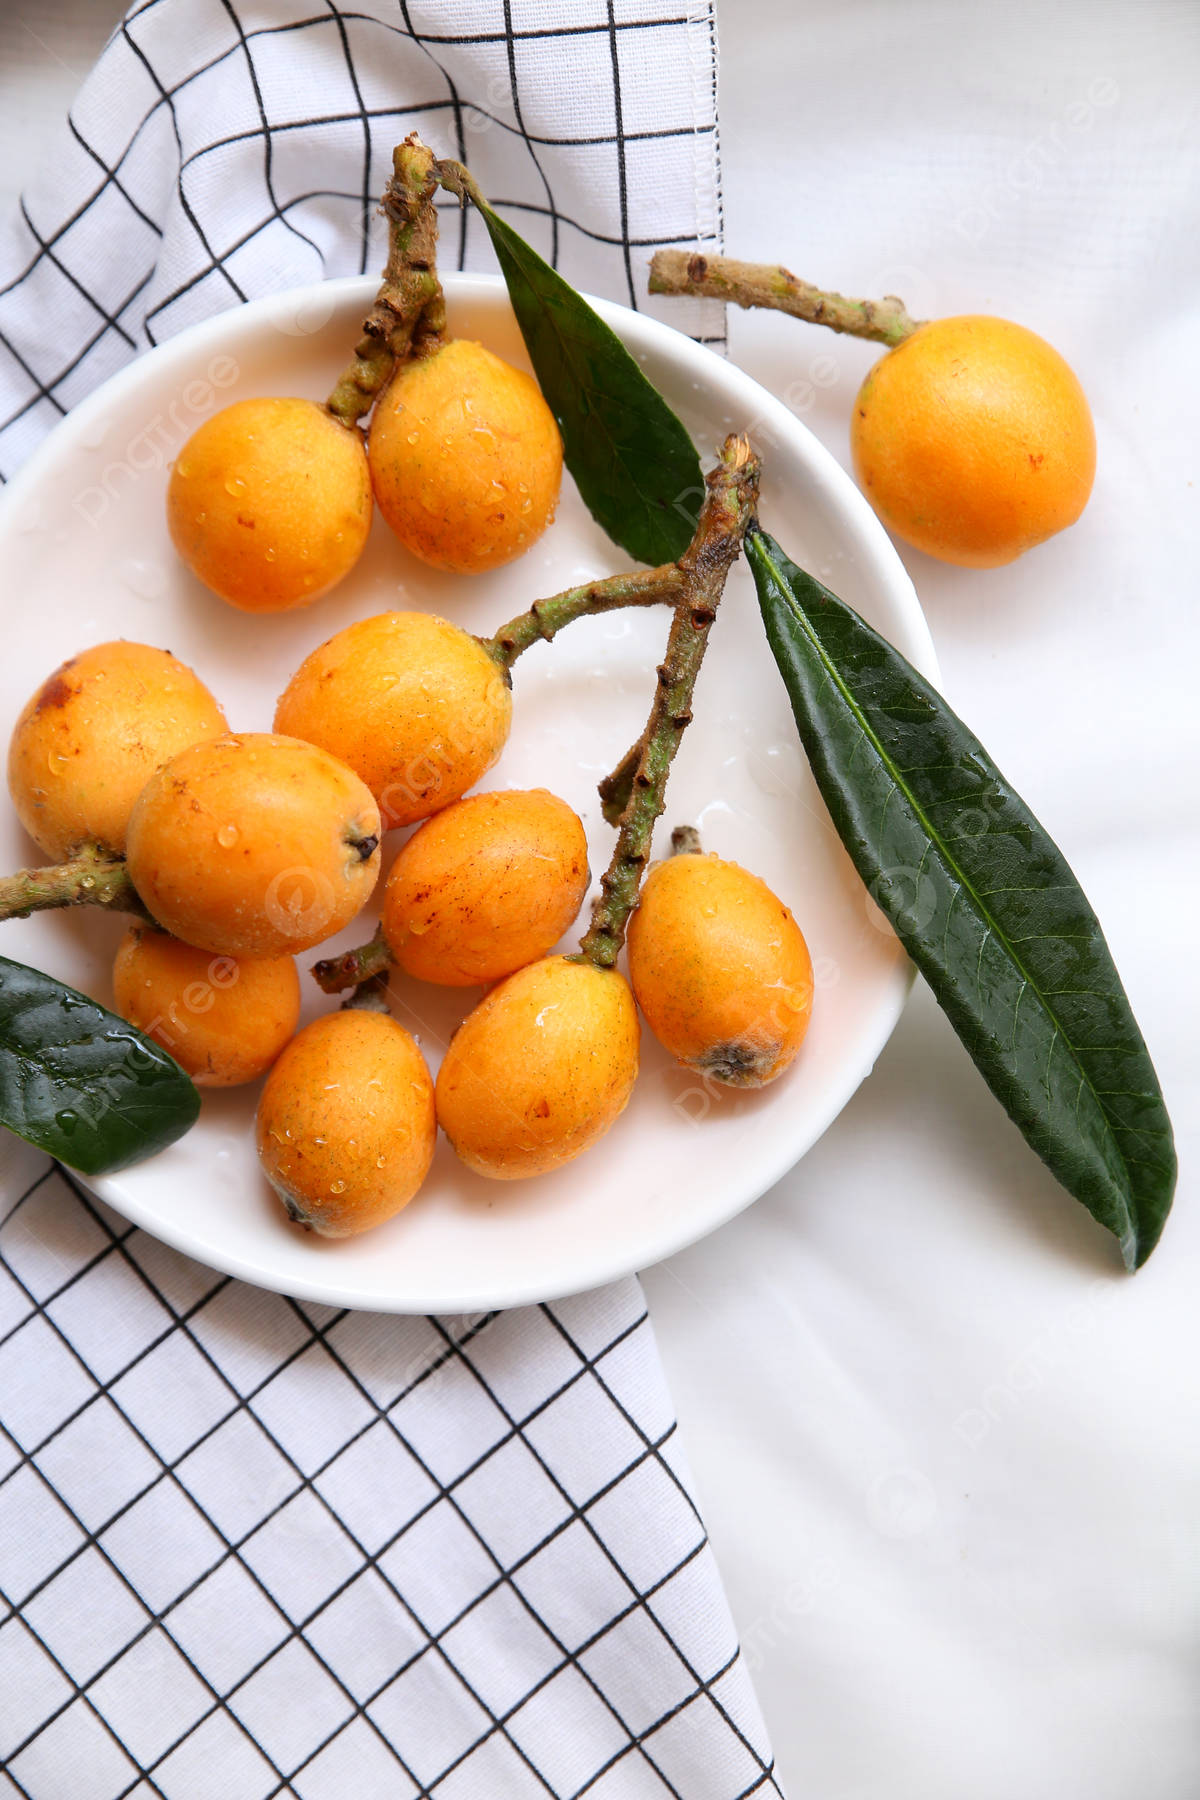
(80, 1083)
(983, 901)
(633, 462)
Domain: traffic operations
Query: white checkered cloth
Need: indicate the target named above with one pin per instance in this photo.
(251, 1546)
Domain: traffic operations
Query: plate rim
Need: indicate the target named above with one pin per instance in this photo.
(874, 548)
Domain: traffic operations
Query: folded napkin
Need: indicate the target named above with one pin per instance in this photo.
(251, 1546)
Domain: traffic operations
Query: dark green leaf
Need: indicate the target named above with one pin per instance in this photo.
(632, 460)
(983, 901)
(80, 1083)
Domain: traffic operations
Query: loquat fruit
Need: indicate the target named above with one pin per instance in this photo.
(720, 969)
(465, 456)
(973, 440)
(541, 1069)
(484, 887)
(346, 1127)
(413, 704)
(254, 845)
(269, 503)
(88, 741)
(223, 1018)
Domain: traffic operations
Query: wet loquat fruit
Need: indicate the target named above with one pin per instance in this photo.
(254, 845)
(346, 1126)
(720, 969)
(466, 459)
(973, 441)
(223, 1018)
(541, 1069)
(485, 886)
(269, 503)
(414, 705)
(91, 737)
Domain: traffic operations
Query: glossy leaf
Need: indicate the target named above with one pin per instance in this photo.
(633, 462)
(983, 901)
(80, 1083)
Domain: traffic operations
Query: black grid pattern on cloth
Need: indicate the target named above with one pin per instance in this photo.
(228, 148)
(255, 1547)
(250, 1546)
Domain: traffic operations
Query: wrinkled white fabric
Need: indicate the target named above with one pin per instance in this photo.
(949, 1454)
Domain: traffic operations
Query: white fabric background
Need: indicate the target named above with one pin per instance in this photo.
(949, 1457)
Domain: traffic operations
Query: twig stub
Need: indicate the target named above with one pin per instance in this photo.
(750, 284)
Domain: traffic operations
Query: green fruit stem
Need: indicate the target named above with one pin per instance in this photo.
(545, 618)
(408, 317)
(883, 321)
(729, 506)
(90, 877)
(335, 973)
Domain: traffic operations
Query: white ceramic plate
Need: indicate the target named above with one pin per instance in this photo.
(84, 557)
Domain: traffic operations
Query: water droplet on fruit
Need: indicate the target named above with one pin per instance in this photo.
(56, 763)
(269, 553)
(87, 882)
(337, 1187)
(414, 437)
(379, 1161)
(200, 517)
(526, 506)
(320, 1140)
(183, 469)
(235, 486)
(227, 836)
